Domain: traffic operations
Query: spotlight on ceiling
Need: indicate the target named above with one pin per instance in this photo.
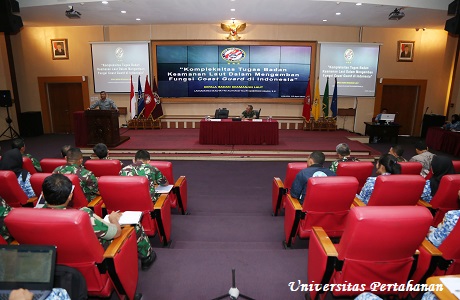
(72, 14)
(397, 14)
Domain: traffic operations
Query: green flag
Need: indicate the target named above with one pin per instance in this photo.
(326, 99)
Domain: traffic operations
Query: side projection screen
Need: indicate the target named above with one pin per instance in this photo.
(233, 71)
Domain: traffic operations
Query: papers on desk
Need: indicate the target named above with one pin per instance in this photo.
(452, 284)
(256, 120)
(163, 189)
(128, 217)
(215, 120)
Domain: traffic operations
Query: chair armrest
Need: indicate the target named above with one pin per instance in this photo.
(116, 244)
(161, 201)
(424, 203)
(358, 202)
(430, 248)
(33, 200)
(95, 202)
(179, 181)
(279, 182)
(295, 202)
(325, 241)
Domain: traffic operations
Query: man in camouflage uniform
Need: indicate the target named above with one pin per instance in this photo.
(19, 143)
(343, 151)
(57, 192)
(4, 210)
(141, 167)
(248, 113)
(88, 181)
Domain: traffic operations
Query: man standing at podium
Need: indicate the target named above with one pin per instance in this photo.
(104, 103)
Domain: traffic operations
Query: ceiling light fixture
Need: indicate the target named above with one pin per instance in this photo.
(105, 2)
(232, 9)
(71, 13)
(138, 19)
(359, 3)
(397, 14)
(123, 11)
(338, 13)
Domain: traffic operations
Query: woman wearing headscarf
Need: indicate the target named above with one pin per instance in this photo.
(440, 166)
(12, 160)
(386, 165)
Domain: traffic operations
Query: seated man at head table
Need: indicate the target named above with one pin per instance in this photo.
(141, 167)
(248, 113)
(57, 191)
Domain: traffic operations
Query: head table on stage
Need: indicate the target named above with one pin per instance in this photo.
(244, 132)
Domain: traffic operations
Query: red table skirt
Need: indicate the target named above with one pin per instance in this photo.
(228, 132)
(79, 125)
(443, 140)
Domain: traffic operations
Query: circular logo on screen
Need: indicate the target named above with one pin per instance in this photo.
(119, 52)
(157, 97)
(148, 99)
(348, 54)
(233, 54)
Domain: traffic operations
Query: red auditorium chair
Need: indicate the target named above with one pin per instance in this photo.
(326, 204)
(393, 190)
(280, 189)
(28, 165)
(445, 199)
(411, 167)
(49, 164)
(359, 169)
(115, 268)
(378, 244)
(456, 164)
(132, 193)
(11, 191)
(103, 167)
(179, 196)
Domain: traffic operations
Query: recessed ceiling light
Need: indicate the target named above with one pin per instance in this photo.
(123, 11)
(359, 3)
(232, 19)
(338, 14)
(324, 20)
(105, 2)
(138, 19)
(232, 9)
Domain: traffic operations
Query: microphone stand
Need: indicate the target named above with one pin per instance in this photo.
(233, 293)
(13, 133)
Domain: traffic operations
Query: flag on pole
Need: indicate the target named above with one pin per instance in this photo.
(149, 98)
(307, 103)
(315, 109)
(334, 100)
(326, 99)
(158, 110)
(140, 98)
(132, 101)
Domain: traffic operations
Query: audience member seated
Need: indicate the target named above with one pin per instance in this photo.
(440, 166)
(386, 165)
(57, 192)
(423, 156)
(20, 144)
(343, 151)
(4, 210)
(397, 151)
(438, 234)
(248, 113)
(141, 167)
(454, 123)
(64, 150)
(24, 294)
(12, 161)
(88, 182)
(315, 168)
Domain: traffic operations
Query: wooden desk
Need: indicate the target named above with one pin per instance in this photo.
(375, 129)
(445, 294)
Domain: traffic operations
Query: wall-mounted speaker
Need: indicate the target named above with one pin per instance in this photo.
(453, 25)
(5, 98)
(9, 22)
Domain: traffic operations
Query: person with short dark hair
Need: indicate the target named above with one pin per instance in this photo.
(101, 151)
(343, 151)
(397, 151)
(21, 145)
(423, 156)
(141, 167)
(454, 123)
(12, 161)
(248, 113)
(57, 192)
(88, 181)
(386, 165)
(383, 111)
(315, 169)
(64, 150)
(104, 103)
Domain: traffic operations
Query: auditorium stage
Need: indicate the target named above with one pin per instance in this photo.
(183, 144)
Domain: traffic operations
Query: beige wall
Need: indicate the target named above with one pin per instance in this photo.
(433, 60)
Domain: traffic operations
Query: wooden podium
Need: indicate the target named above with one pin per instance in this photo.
(102, 127)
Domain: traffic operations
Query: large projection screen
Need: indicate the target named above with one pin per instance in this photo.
(353, 64)
(232, 70)
(115, 62)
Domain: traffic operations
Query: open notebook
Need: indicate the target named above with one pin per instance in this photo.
(128, 217)
(29, 267)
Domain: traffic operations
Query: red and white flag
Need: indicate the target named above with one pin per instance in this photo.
(133, 104)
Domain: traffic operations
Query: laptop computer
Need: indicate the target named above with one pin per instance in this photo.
(29, 267)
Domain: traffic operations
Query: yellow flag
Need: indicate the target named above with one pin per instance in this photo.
(316, 105)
